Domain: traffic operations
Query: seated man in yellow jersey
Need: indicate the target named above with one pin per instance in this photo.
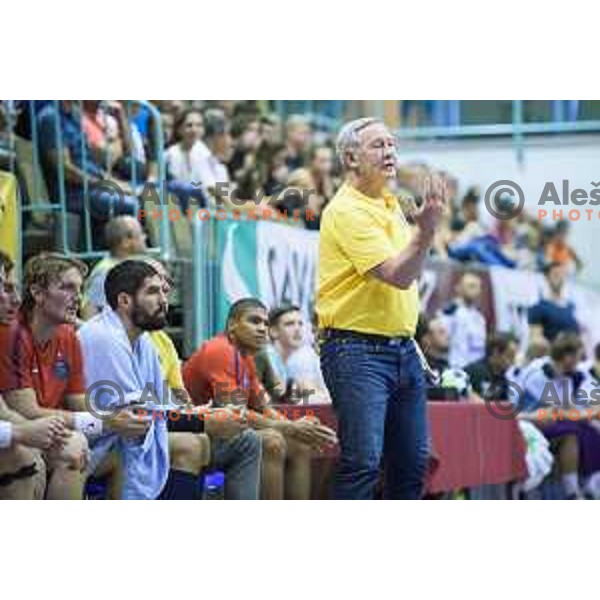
(226, 444)
(125, 238)
(368, 304)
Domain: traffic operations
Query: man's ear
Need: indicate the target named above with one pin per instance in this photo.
(123, 300)
(36, 291)
(351, 159)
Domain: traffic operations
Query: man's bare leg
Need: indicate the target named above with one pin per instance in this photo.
(298, 471)
(111, 468)
(67, 474)
(272, 473)
(568, 464)
(31, 487)
(189, 452)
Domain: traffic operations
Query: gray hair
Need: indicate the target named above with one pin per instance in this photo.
(215, 122)
(347, 139)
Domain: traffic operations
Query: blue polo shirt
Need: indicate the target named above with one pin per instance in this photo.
(554, 318)
(74, 140)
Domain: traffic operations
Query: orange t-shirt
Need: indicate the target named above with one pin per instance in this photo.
(53, 370)
(218, 371)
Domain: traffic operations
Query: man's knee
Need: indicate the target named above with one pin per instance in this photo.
(72, 456)
(190, 451)
(274, 446)
(298, 450)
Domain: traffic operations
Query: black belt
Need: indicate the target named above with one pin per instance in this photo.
(348, 334)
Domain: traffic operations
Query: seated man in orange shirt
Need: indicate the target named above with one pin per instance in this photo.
(223, 371)
(42, 359)
(22, 470)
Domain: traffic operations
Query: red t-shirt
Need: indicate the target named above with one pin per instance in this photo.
(53, 370)
(217, 369)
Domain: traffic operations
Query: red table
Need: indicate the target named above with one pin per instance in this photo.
(470, 447)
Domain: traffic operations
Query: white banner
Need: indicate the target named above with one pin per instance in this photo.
(287, 259)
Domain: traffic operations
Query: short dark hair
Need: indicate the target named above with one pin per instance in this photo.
(239, 307)
(279, 311)
(6, 262)
(126, 277)
(117, 230)
(500, 342)
(565, 344)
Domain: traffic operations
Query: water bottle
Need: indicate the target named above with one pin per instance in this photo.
(214, 486)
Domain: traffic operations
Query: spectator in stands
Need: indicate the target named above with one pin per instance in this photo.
(186, 159)
(246, 166)
(185, 156)
(101, 125)
(223, 371)
(78, 164)
(466, 225)
(213, 169)
(151, 463)
(466, 323)
(277, 170)
(322, 170)
(432, 336)
(298, 139)
(294, 359)
(558, 250)
(490, 375)
(549, 384)
(167, 120)
(125, 238)
(227, 444)
(22, 470)
(42, 361)
(271, 130)
(554, 312)
(470, 241)
(299, 200)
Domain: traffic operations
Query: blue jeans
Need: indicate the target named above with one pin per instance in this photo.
(379, 396)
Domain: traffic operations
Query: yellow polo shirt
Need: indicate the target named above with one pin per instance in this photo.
(169, 359)
(357, 234)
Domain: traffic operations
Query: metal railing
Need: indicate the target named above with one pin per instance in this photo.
(58, 206)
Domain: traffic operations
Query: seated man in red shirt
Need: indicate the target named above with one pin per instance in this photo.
(42, 362)
(22, 471)
(223, 371)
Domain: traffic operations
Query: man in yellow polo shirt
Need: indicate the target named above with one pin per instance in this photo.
(368, 306)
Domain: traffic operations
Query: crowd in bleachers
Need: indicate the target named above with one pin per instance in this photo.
(53, 443)
(243, 151)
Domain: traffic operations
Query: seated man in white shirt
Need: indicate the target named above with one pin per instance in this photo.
(466, 323)
(556, 398)
(299, 363)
